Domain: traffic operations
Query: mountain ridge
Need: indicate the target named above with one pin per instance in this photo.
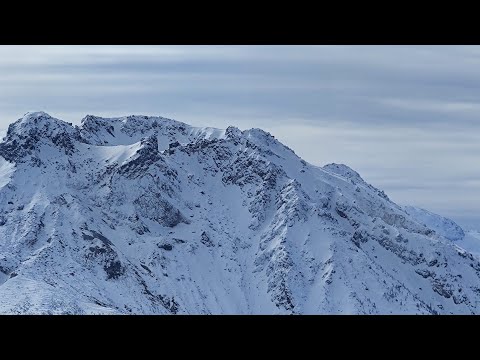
(153, 216)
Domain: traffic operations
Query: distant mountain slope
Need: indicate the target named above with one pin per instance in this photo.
(442, 226)
(471, 242)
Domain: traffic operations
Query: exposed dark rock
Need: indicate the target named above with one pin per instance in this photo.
(442, 288)
(167, 247)
(146, 156)
(152, 206)
(114, 269)
(205, 239)
(425, 273)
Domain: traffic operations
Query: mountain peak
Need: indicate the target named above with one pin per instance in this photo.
(36, 114)
(34, 127)
(33, 122)
(126, 129)
(38, 119)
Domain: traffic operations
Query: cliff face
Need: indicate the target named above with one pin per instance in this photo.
(149, 215)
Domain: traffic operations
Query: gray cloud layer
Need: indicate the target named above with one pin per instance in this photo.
(405, 117)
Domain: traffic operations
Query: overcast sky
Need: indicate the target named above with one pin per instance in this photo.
(407, 118)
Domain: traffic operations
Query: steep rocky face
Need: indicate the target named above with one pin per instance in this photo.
(27, 136)
(150, 215)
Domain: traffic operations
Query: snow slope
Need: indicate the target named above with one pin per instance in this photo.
(471, 242)
(6, 170)
(147, 215)
(443, 226)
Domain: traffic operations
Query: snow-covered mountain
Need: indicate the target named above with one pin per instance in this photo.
(442, 226)
(146, 215)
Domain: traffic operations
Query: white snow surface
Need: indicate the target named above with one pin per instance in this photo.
(443, 226)
(147, 215)
(6, 170)
(471, 242)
